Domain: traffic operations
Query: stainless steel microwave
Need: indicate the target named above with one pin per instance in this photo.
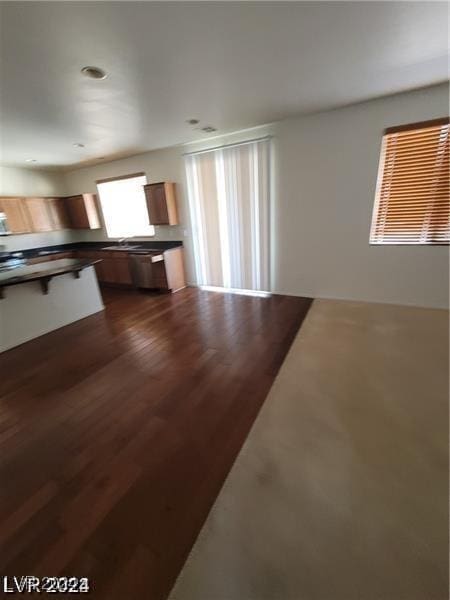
(4, 229)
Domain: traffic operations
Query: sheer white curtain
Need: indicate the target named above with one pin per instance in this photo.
(229, 202)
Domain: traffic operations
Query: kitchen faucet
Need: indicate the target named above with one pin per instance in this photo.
(123, 241)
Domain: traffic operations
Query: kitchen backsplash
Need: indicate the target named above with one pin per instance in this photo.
(162, 233)
(36, 240)
(51, 238)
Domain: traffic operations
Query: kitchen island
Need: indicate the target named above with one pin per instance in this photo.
(38, 298)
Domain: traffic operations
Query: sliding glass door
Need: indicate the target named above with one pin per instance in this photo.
(229, 192)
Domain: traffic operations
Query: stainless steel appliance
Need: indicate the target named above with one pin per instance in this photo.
(4, 229)
(142, 269)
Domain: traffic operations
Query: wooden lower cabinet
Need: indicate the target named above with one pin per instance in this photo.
(115, 269)
(108, 270)
(94, 255)
(122, 269)
(159, 276)
(48, 257)
(174, 269)
(63, 255)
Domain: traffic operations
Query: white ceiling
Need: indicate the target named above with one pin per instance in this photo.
(231, 65)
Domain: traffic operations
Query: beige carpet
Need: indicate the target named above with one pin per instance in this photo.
(340, 492)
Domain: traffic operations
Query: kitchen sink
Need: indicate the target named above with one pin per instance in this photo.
(124, 247)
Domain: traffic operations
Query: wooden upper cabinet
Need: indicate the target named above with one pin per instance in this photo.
(16, 214)
(47, 214)
(83, 213)
(38, 214)
(33, 214)
(59, 215)
(161, 203)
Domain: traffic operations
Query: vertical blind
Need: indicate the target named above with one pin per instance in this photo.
(229, 203)
(412, 195)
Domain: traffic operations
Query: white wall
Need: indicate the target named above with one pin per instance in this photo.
(15, 181)
(36, 240)
(32, 182)
(325, 168)
(326, 176)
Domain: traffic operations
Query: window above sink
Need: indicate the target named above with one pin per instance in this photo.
(124, 207)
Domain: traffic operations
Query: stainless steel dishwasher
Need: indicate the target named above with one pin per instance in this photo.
(142, 269)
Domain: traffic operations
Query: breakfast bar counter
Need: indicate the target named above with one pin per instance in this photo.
(42, 273)
(36, 299)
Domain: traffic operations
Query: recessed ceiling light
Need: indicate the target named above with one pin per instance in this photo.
(30, 160)
(209, 129)
(78, 145)
(94, 72)
(192, 121)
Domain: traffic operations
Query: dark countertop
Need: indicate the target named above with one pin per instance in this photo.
(44, 272)
(44, 250)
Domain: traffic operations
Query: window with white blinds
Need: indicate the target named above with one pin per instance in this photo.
(412, 195)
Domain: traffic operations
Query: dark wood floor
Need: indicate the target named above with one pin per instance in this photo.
(117, 432)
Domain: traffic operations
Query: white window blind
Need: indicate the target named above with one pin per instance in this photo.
(412, 196)
(229, 204)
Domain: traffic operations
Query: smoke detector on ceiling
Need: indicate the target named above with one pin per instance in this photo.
(209, 129)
